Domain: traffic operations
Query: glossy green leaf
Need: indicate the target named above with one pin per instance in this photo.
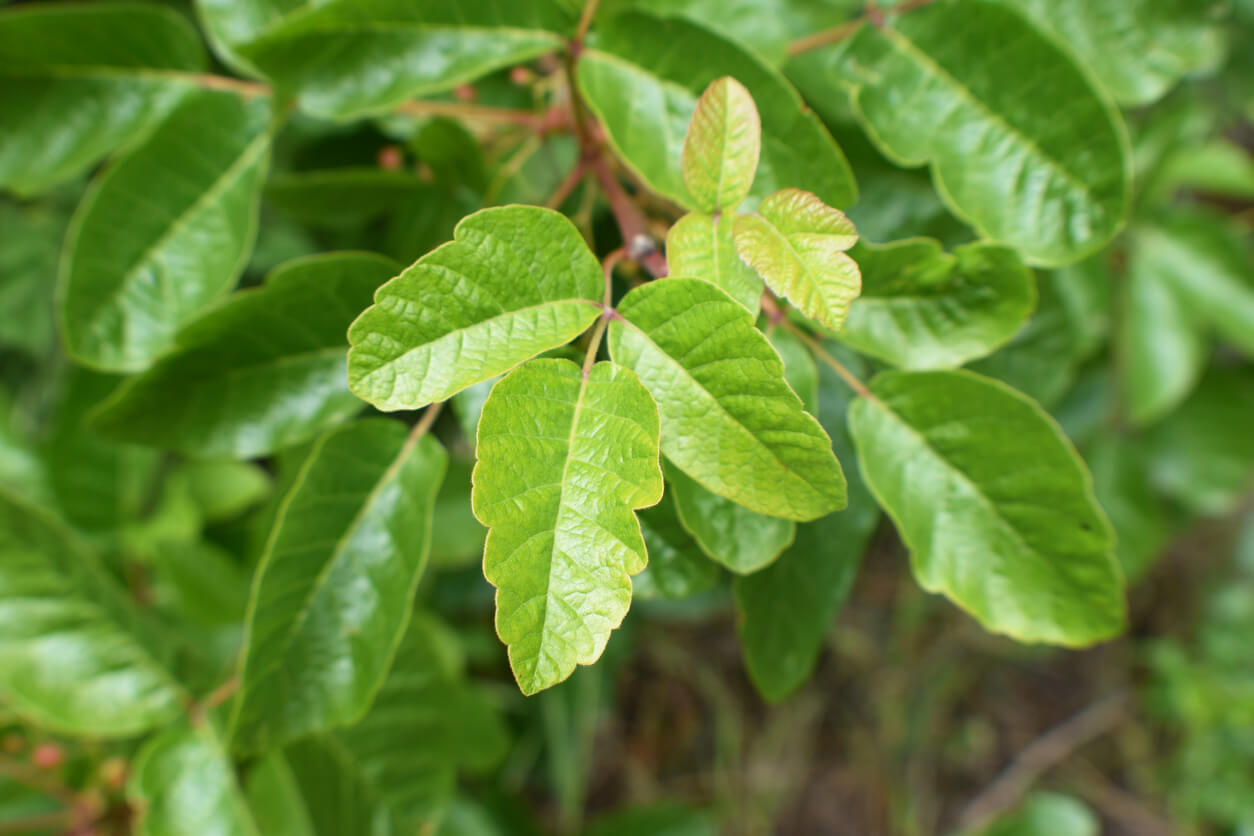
(350, 59)
(427, 723)
(225, 489)
(79, 80)
(787, 609)
(1138, 49)
(1206, 260)
(339, 197)
(1021, 143)
(74, 657)
(1047, 814)
(1202, 456)
(800, 370)
(642, 81)
(797, 245)
(1163, 342)
(993, 503)
(335, 583)
(564, 460)
(458, 539)
(313, 788)
(742, 540)
(514, 282)
(183, 784)
(722, 146)
(729, 419)
(125, 289)
(264, 370)
(923, 308)
(677, 567)
(701, 247)
(32, 233)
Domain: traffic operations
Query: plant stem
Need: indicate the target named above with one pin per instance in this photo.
(839, 33)
(470, 112)
(227, 84)
(607, 312)
(824, 355)
(567, 186)
(423, 426)
(632, 224)
(585, 20)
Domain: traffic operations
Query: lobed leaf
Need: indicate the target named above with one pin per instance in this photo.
(78, 81)
(564, 460)
(515, 281)
(1035, 159)
(642, 81)
(797, 245)
(994, 504)
(922, 308)
(262, 371)
(335, 582)
(722, 146)
(74, 657)
(729, 419)
(126, 288)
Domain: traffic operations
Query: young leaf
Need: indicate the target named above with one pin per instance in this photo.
(335, 584)
(701, 247)
(732, 535)
(262, 371)
(564, 460)
(642, 81)
(124, 290)
(796, 244)
(787, 609)
(994, 504)
(1044, 168)
(515, 281)
(722, 146)
(346, 60)
(1138, 49)
(677, 567)
(922, 308)
(183, 783)
(78, 81)
(74, 658)
(729, 419)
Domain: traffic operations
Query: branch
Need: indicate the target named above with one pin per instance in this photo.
(839, 33)
(777, 317)
(472, 112)
(632, 224)
(1043, 754)
(227, 84)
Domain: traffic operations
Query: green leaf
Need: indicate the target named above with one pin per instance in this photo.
(348, 59)
(1121, 480)
(701, 247)
(32, 233)
(564, 459)
(677, 567)
(428, 722)
(796, 244)
(1138, 49)
(184, 785)
(515, 281)
(314, 788)
(124, 290)
(225, 489)
(729, 419)
(642, 81)
(732, 535)
(993, 503)
(1205, 258)
(262, 371)
(1042, 167)
(340, 197)
(799, 368)
(78, 81)
(74, 657)
(922, 308)
(661, 819)
(787, 609)
(1163, 344)
(334, 586)
(458, 539)
(1202, 456)
(1047, 814)
(722, 146)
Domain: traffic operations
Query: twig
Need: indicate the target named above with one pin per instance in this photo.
(422, 427)
(246, 89)
(836, 34)
(1043, 754)
(567, 186)
(632, 224)
(774, 314)
(585, 20)
(607, 312)
(471, 112)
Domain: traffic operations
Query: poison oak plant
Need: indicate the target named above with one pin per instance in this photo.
(677, 345)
